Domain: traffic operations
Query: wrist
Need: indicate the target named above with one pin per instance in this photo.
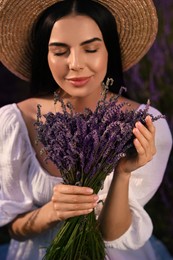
(122, 177)
(51, 217)
(120, 172)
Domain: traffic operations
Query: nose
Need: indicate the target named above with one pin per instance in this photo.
(75, 61)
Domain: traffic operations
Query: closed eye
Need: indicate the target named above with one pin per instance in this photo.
(91, 51)
(58, 49)
(60, 53)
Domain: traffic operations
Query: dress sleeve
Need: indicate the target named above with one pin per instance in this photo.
(144, 183)
(15, 197)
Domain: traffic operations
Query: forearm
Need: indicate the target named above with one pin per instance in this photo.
(67, 201)
(115, 217)
(32, 223)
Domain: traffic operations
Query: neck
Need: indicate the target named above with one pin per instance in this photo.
(80, 103)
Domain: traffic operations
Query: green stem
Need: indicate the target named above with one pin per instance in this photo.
(79, 238)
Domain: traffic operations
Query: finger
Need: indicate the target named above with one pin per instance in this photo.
(144, 134)
(57, 197)
(69, 214)
(147, 133)
(72, 189)
(143, 157)
(74, 207)
(150, 124)
(144, 131)
(144, 151)
(139, 148)
(140, 137)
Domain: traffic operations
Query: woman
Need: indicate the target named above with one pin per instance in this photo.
(73, 46)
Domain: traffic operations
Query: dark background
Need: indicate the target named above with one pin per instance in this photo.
(151, 78)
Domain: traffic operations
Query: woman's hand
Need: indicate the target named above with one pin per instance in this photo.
(69, 201)
(144, 143)
(116, 217)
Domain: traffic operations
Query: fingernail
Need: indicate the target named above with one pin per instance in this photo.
(96, 197)
(148, 118)
(90, 191)
(138, 124)
(135, 130)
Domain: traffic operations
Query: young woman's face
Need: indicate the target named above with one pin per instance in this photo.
(77, 56)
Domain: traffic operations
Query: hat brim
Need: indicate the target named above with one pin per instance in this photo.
(136, 20)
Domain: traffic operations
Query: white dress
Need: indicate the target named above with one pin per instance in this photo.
(25, 185)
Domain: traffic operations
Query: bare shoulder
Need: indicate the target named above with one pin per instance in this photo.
(28, 108)
(27, 104)
(131, 104)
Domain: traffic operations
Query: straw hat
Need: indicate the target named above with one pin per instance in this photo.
(136, 22)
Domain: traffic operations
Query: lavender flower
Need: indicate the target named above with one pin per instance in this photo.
(86, 147)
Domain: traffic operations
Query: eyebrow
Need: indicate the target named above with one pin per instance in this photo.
(83, 43)
(90, 41)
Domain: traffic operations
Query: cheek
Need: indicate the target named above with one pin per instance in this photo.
(57, 68)
(58, 71)
(52, 64)
(100, 63)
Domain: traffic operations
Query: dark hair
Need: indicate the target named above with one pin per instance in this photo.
(42, 81)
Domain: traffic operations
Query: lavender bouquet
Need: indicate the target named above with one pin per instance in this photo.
(86, 147)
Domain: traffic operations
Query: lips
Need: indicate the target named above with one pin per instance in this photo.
(80, 81)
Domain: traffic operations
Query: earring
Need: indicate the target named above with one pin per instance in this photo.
(109, 82)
